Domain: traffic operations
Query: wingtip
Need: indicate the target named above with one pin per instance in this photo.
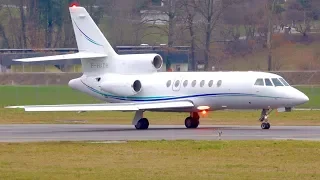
(14, 107)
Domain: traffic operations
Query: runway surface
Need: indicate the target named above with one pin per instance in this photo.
(62, 132)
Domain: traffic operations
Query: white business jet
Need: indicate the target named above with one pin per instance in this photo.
(133, 83)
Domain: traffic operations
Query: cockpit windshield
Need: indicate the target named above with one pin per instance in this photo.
(284, 82)
(276, 82)
(268, 82)
(259, 82)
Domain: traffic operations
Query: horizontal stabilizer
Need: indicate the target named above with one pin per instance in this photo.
(79, 55)
(107, 107)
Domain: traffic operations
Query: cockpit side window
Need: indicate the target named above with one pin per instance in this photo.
(268, 82)
(259, 82)
(284, 82)
(276, 82)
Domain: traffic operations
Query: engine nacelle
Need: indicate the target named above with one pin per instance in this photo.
(157, 62)
(122, 87)
(140, 63)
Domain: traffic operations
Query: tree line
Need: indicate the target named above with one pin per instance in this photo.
(196, 23)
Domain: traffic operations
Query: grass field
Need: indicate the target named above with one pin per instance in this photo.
(23, 95)
(161, 160)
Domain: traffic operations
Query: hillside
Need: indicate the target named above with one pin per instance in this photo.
(293, 53)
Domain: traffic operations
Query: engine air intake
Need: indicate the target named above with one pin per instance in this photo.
(157, 62)
(137, 86)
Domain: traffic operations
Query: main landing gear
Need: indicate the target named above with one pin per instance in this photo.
(141, 123)
(264, 118)
(192, 121)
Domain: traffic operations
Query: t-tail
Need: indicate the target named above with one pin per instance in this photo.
(94, 49)
(88, 35)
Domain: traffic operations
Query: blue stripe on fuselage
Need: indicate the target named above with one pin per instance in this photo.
(166, 98)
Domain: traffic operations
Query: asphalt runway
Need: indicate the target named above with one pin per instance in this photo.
(64, 132)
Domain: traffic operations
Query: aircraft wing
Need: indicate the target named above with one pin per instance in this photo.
(107, 106)
(79, 55)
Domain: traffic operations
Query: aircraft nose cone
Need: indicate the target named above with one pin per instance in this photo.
(302, 98)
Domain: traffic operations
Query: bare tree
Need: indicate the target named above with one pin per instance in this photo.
(273, 8)
(210, 12)
(301, 14)
(165, 18)
(270, 7)
(189, 21)
(23, 24)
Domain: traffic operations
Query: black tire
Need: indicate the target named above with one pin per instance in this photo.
(188, 122)
(268, 126)
(265, 126)
(191, 123)
(142, 124)
(195, 123)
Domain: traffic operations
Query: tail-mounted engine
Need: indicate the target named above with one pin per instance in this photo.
(139, 63)
(122, 87)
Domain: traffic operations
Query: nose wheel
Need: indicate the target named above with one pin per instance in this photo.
(265, 125)
(264, 118)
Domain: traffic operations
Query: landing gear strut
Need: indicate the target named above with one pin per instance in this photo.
(192, 121)
(264, 118)
(139, 121)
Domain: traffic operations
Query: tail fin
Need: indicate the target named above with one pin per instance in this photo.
(94, 49)
(88, 35)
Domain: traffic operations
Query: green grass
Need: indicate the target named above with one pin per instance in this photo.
(27, 95)
(161, 160)
(313, 92)
(34, 68)
(22, 95)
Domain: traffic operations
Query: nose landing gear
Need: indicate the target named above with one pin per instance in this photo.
(264, 118)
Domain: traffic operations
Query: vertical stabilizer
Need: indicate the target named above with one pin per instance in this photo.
(88, 35)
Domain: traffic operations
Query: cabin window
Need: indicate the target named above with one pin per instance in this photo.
(194, 82)
(210, 83)
(169, 83)
(219, 83)
(276, 82)
(259, 82)
(202, 83)
(185, 83)
(98, 79)
(268, 82)
(177, 83)
(284, 82)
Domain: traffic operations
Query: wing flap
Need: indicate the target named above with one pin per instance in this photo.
(79, 55)
(106, 107)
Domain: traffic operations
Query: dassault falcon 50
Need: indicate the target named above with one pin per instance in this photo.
(134, 83)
